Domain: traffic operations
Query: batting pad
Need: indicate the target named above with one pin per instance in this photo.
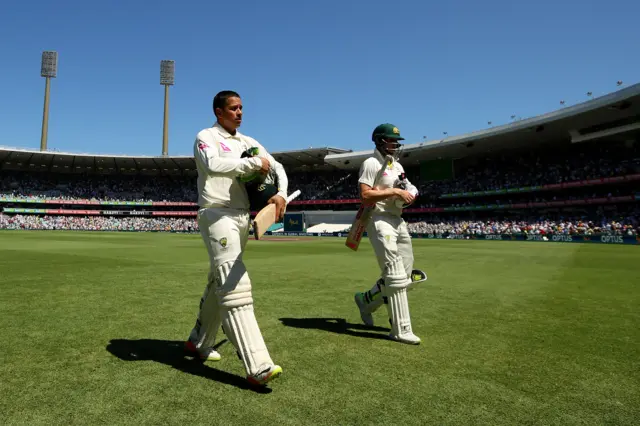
(206, 328)
(395, 290)
(243, 331)
(372, 296)
(417, 276)
(234, 285)
(238, 318)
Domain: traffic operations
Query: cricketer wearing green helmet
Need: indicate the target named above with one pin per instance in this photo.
(386, 137)
(382, 183)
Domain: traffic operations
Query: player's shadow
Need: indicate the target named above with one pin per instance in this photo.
(171, 353)
(336, 325)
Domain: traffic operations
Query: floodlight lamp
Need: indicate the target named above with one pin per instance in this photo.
(167, 72)
(49, 65)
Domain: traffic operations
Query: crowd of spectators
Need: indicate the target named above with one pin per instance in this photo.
(546, 165)
(515, 227)
(597, 222)
(97, 223)
(58, 186)
(627, 223)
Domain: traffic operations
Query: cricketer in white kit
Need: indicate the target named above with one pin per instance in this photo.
(223, 218)
(388, 234)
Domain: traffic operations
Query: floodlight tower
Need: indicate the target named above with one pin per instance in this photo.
(48, 70)
(167, 78)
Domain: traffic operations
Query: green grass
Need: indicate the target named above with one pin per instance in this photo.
(513, 333)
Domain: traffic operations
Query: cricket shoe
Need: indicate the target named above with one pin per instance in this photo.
(205, 354)
(408, 338)
(365, 315)
(263, 377)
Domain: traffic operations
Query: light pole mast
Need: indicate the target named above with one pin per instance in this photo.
(167, 78)
(48, 70)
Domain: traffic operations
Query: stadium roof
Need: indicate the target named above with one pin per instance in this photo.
(615, 116)
(30, 160)
(612, 116)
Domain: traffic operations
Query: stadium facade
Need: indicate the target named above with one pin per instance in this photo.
(604, 129)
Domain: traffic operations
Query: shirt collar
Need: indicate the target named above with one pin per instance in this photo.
(378, 155)
(222, 131)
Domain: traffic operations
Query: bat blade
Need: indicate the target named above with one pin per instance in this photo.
(263, 220)
(358, 227)
(267, 217)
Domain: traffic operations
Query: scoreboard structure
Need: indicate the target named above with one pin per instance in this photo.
(294, 222)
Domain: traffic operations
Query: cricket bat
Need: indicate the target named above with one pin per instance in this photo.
(364, 213)
(267, 217)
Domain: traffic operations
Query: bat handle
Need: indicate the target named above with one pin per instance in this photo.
(293, 196)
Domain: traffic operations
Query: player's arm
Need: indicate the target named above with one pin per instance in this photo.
(206, 154)
(413, 190)
(278, 169)
(369, 194)
(283, 180)
(280, 199)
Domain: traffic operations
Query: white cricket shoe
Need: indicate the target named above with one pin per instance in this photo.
(365, 315)
(264, 376)
(205, 354)
(408, 338)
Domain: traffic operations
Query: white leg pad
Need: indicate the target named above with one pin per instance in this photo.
(238, 318)
(373, 298)
(398, 306)
(395, 291)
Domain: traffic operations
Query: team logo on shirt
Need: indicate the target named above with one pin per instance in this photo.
(224, 147)
(223, 242)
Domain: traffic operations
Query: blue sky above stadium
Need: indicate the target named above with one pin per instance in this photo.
(310, 73)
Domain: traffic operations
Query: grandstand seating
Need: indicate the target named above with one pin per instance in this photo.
(537, 185)
(585, 182)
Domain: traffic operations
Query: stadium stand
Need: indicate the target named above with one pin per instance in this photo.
(575, 171)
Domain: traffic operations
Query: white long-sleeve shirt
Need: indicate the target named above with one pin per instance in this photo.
(217, 154)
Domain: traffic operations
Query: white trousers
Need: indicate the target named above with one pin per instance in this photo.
(228, 299)
(390, 239)
(225, 233)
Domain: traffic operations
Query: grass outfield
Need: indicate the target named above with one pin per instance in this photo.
(513, 333)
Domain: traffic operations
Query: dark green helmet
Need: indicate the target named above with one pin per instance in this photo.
(386, 137)
(386, 131)
(259, 195)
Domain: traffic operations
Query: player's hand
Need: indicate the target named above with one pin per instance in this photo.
(406, 196)
(281, 205)
(264, 169)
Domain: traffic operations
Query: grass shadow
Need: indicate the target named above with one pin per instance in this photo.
(336, 325)
(171, 353)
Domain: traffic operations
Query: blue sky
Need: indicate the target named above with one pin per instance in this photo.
(310, 73)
